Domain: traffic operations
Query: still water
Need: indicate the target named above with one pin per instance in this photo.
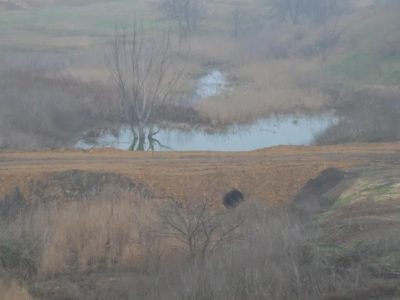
(287, 130)
(292, 130)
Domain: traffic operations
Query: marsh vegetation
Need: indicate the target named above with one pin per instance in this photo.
(318, 222)
(266, 58)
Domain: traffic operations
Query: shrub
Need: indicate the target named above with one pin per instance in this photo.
(367, 115)
(41, 112)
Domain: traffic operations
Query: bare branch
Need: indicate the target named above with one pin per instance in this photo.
(144, 75)
(195, 225)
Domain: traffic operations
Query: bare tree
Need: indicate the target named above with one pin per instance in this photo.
(197, 227)
(186, 13)
(145, 78)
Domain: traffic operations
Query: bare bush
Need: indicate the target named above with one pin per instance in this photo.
(41, 112)
(368, 115)
(276, 257)
(267, 262)
(196, 227)
(271, 255)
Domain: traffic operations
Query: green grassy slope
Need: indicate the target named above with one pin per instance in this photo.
(93, 18)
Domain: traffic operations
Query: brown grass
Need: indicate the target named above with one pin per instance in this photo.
(115, 230)
(271, 175)
(272, 255)
(370, 114)
(118, 230)
(13, 291)
(38, 111)
(263, 88)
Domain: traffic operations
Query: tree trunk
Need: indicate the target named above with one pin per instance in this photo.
(142, 142)
(133, 145)
(142, 138)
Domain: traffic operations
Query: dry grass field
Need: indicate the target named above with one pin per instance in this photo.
(115, 244)
(273, 175)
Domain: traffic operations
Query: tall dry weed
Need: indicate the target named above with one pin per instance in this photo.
(115, 230)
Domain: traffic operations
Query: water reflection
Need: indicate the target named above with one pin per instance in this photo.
(292, 130)
(289, 130)
(148, 142)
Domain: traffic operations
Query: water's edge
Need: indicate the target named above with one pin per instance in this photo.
(289, 130)
(286, 130)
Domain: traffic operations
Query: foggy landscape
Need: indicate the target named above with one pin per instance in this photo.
(199, 149)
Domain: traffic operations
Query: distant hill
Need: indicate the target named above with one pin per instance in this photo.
(368, 51)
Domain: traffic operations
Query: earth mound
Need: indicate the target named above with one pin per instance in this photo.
(68, 185)
(320, 193)
(77, 184)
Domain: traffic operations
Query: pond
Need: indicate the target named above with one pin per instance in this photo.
(284, 130)
(289, 130)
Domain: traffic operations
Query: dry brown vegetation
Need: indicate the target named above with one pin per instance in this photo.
(108, 224)
(13, 291)
(39, 111)
(118, 230)
(178, 242)
(258, 174)
(209, 49)
(369, 114)
(269, 253)
(267, 88)
(114, 230)
(42, 112)
(273, 67)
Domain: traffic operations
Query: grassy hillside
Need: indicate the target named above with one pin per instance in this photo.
(366, 53)
(369, 49)
(272, 66)
(60, 20)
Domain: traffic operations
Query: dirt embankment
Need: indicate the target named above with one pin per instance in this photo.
(274, 174)
(360, 230)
